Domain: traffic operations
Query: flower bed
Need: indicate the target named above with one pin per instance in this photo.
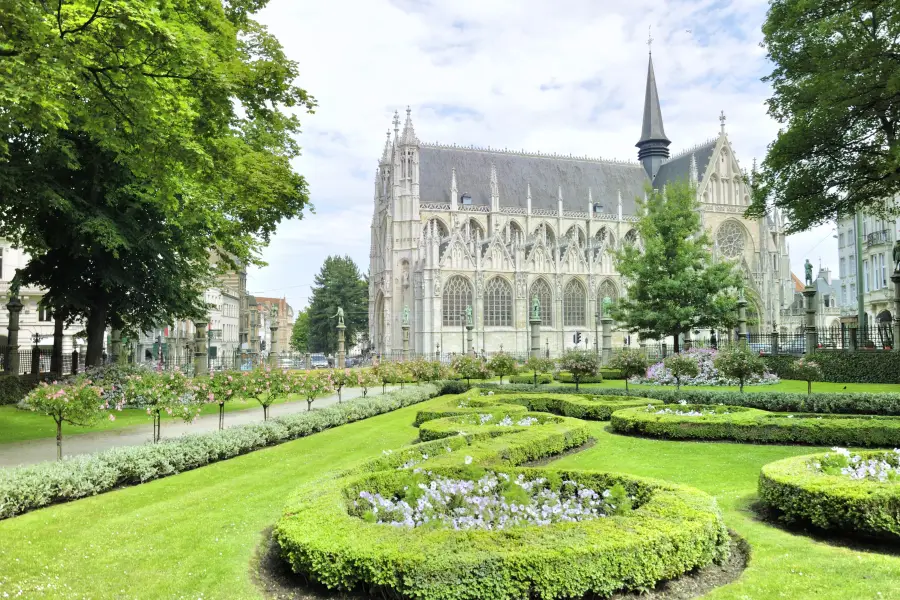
(483, 423)
(707, 373)
(848, 492)
(459, 520)
(752, 425)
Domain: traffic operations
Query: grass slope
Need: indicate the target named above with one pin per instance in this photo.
(194, 535)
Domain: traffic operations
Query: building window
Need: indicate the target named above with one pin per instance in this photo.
(574, 299)
(852, 264)
(498, 303)
(844, 295)
(457, 296)
(44, 314)
(841, 241)
(883, 270)
(730, 239)
(541, 289)
(607, 290)
(843, 270)
(866, 277)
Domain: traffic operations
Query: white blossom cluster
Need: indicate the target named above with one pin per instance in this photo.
(465, 504)
(683, 412)
(507, 421)
(879, 468)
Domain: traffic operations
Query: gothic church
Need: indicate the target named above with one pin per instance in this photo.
(457, 226)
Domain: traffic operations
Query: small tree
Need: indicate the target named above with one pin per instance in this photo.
(470, 367)
(169, 392)
(265, 385)
(631, 362)
(502, 364)
(312, 385)
(79, 403)
(580, 363)
(740, 363)
(341, 378)
(390, 372)
(366, 378)
(218, 389)
(426, 370)
(808, 371)
(536, 365)
(681, 365)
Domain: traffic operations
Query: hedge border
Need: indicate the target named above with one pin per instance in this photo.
(673, 530)
(437, 429)
(758, 426)
(831, 502)
(842, 366)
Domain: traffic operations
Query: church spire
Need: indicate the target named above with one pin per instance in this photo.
(653, 147)
(409, 134)
(386, 155)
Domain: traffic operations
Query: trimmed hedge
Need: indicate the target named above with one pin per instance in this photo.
(13, 388)
(672, 529)
(470, 425)
(752, 425)
(859, 403)
(542, 379)
(569, 378)
(28, 488)
(839, 366)
(833, 502)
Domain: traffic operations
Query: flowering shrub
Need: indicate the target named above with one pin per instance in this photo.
(341, 378)
(631, 362)
(740, 363)
(391, 372)
(710, 373)
(78, 403)
(112, 379)
(365, 378)
(265, 385)
(808, 371)
(502, 364)
(470, 367)
(170, 392)
(540, 367)
(311, 385)
(580, 363)
(494, 501)
(426, 370)
(878, 467)
(218, 389)
(686, 412)
(681, 366)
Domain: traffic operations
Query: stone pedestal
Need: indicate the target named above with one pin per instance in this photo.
(470, 343)
(535, 338)
(273, 354)
(115, 344)
(811, 342)
(340, 335)
(774, 344)
(201, 354)
(742, 320)
(606, 328)
(14, 306)
(896, 324)
(688, 343)
(405, 329)
(307, 358)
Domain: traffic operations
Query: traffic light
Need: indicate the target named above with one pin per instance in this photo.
(577, 338)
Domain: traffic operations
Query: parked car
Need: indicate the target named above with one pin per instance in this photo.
(318, 361)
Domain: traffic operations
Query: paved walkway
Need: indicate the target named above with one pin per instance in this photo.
(35, 451)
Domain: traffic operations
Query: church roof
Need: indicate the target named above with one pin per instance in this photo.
(678, 168)
(546, 175)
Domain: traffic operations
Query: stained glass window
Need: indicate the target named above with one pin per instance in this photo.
(730, 239)
(574, 300)
(457, 296)
(498, 303)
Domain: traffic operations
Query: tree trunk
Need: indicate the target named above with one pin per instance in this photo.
(56, 363)
(59, 440)
(676, 347)
(95, 328)
(308, 405)
(221, 416)
(809, 387)
(535, 379)
(626, 386)
(265, 412)
(339, 394)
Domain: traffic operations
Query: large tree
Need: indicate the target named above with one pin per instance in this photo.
(136, 137)
(836, 85)
(338, 284)
(300, 331)
(672, 282)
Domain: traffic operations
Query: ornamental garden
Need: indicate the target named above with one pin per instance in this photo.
(710, 474)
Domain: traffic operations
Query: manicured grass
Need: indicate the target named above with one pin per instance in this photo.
(194, 535)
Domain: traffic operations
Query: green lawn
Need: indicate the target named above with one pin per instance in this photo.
(194, 535)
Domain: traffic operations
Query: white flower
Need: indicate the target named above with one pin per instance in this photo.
(468, 460)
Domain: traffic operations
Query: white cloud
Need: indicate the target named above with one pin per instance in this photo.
(473, 73)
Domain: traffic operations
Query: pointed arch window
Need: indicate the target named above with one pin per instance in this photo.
(607, 290)
(457, 296)
(498, 303)
(574, 301)
(541, 289)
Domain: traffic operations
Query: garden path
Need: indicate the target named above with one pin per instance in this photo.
(35, 451)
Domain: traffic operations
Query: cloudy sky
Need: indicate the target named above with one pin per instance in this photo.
(553, 76)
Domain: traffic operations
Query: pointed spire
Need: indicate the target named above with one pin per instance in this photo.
(722, 121)
(694, 176)
(409, 134)
(386, 155)
(653, 147)
(396, 125)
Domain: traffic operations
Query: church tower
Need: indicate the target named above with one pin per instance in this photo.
(653, 147)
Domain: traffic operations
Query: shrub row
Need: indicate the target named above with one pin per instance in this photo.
(672, 530)
(828, 501)
(542, 379)
(569, 378)
(470, 425)
(838, 366)
(27, 488)
(13, 388)
(861, 403)
(759, 426)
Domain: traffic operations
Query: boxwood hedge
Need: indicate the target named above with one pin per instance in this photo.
(839, 366)
(833, 502)
(542, 379)
(672, 529)
(752, 425)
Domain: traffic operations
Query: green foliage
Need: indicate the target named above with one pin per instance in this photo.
(426, 370)
(14, 388)
(834, 87)
(170, 392)
(364, 379)
(831, 501)
(470, 367)
(300, 332)
(844, 366)
(78, 403)
(758, 426)
(613, 374)
(263, 384)
(739, 362)
(681, 365)
(502, 364)
(808, 371)
(580, 363)
(391, 372)
(673, 285)
(540, 368)
(337, 284)
(533, 379)
(312, 384)
(630, 362)
(565, 377)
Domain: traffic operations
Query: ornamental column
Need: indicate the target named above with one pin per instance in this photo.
(742, 319)
(115, 344)
(606, 324)
(340, 339)
(273, 356)
(810, 293)
(896, 279)
(14, 306)
(201, 356)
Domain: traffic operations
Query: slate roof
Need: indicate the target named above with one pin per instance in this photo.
(679, 168)
(515, 172)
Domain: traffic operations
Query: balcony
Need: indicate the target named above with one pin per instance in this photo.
(876, 238)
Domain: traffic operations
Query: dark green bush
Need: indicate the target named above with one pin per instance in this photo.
(840, 366)
(833, 502)
(542, 379)
(612, 374)
(758, 426)
(451, 386)
(13, 388)
(569, 378)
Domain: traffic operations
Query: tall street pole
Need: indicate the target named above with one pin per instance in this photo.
(860, 284)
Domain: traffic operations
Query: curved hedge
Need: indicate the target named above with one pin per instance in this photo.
(671, 529)
(833, 502)
(475, 424)
(743, 424)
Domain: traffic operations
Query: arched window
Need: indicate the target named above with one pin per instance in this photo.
(574, 300)
(498, 303)
(631, 239)
(607, 289)
(457, 296)
(541, 289)
(472, 228)
(439, 227)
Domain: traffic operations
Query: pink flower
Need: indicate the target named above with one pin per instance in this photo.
(112, 417)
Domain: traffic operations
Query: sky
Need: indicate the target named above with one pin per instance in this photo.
(565, 76)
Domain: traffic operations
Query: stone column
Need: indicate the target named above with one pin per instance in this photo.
(854, 340)
(115, 344)
(896, 279)
(405, 329)
(308, 358)
(742, 320)
(810, 293)
(774, 343)
(273, 356)
(470, 343)
(340, 335)
(535, 337)
(687, 340)
(201, 355)
(606, 323)
(14, 306)
(36, 357)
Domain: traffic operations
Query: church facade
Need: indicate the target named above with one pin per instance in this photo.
(456, 226)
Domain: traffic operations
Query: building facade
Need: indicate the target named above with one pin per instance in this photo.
(456, 226)
(224, 322)
(285, 321)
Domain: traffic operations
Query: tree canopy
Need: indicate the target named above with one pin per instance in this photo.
(300, 332)
(338, 284)
(836, 85)
(672, 282)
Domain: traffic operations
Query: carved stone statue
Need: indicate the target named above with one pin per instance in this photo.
(807, 267)
(897, 255)
(405, 317)
(535, 308)
(469, 321)
(340, 316)
(607, 305)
